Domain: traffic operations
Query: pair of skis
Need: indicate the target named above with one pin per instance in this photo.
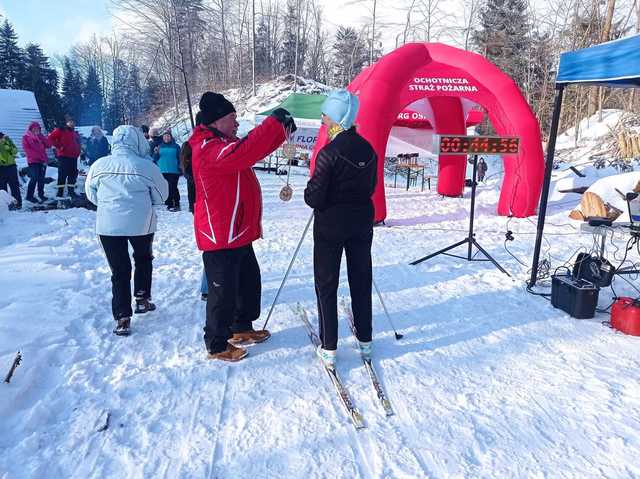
(343, 394)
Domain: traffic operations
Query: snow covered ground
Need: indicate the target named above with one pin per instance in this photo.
(489, 381)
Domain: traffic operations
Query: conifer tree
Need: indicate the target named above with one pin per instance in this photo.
(12, 62)
(503, 37)
(72, 89)
(43, 81)
(133, 96)
(92, 96)
(350, 54)
(288, 50)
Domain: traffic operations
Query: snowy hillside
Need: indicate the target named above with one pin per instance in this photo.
(268, 95)
(594, 137)
(595, 144)
(488, 381)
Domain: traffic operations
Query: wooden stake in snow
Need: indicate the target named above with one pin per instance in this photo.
(16, 363)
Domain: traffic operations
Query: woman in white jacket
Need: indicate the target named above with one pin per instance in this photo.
(125, 186)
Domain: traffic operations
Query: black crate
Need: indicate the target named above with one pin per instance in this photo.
(577, 297)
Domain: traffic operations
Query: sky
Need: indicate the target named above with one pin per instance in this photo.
(56, 24)
(59, 24)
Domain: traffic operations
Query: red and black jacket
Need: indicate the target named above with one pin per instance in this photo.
(228, 207)
(66, 142)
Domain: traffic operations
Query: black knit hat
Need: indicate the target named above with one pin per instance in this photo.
(214, 106)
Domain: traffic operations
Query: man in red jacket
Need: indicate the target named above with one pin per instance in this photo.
(67, 144)
(227, 216)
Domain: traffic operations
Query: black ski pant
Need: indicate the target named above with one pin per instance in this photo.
(173, 200)
(233, 302)
(9, 178)
(116, 249)
(348, 228)
(67, 175)
(191, 192)
(36, 174)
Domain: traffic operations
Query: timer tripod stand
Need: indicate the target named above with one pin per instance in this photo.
(470, 240)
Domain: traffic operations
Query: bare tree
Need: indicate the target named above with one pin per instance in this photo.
(469, 18)
(430, 18)
(605, 37)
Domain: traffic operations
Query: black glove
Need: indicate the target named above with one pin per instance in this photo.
(284, 117)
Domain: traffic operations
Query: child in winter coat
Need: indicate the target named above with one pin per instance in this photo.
(8, 168)
(97, 145)
(35, 145)
(167, 158)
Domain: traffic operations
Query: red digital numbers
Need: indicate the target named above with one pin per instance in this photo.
(456, 145)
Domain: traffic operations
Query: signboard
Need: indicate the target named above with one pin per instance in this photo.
(289, 150)
(472, 145)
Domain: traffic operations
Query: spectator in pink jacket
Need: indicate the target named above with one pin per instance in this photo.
(35, 145)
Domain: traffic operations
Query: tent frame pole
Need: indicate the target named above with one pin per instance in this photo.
(544, 198)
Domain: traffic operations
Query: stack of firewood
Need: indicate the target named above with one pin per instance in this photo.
(626, 137)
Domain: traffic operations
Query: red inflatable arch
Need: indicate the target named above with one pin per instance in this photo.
(448, 80)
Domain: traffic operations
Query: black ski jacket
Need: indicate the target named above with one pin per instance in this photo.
(345, 173)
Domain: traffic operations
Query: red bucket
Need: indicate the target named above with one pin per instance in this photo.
(625, 316)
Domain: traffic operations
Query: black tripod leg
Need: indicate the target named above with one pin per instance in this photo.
(459, 243)
(490, 258)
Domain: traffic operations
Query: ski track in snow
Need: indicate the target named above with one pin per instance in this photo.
(488, 381)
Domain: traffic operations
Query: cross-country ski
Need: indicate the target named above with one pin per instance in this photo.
(341, 390)
(368, 364)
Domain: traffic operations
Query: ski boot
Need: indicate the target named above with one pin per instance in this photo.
(327, 357)
(143, 305)
(123, 328)
(365, 349)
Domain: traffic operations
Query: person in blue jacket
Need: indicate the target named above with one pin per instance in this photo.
(167, 157)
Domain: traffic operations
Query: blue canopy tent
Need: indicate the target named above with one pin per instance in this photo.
(613, 64)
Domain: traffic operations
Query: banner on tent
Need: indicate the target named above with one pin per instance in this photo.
(412, 115)
(305, 138)
(441, 84)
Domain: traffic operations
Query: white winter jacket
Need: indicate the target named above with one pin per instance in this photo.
(125, 186)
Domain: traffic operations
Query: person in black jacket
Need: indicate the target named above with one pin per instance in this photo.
(185, 164)
(340, 193)
(97, 146)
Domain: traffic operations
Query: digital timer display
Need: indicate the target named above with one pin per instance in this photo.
(464, 145)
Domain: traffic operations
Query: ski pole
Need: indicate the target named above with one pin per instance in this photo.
(286, 275)
(398, 335)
